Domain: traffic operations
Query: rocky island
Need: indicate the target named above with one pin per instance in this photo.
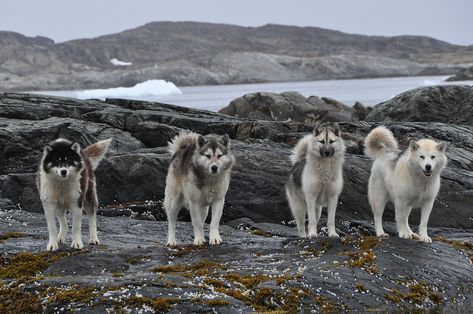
(261, 265)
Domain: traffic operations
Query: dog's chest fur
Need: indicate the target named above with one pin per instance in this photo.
(61, 193)
(212, 187)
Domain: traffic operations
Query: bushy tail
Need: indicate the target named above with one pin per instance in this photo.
(97, 151)
(181, 141)
(378, 140)
(300, 150)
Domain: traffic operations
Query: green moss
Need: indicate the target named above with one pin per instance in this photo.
(201, 268)
(14, 300)
(135, 260)
(214, 282)
(27, 264)
(216, 302)
(419, 292)
(261, 233)
(159, 305)
(75, 294)
(249, 281)
(11, 235)
(360, 287)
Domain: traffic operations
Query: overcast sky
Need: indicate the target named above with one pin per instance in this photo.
(448, 20)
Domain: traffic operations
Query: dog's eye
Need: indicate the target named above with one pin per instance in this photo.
(322, 141)
(208, 156)
(331, 141)
(432, 157)
(422, 157)
(219, 155)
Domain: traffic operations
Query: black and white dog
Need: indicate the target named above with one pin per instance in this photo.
(66, 180)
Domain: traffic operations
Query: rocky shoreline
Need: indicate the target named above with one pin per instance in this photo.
(261, 265)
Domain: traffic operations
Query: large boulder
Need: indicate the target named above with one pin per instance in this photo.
(287, 106)
(462, 75)
(132, 177)
(448, 104)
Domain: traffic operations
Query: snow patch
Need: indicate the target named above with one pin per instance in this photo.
(117, 62)
(145, 89)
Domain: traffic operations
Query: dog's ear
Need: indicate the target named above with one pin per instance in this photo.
(75, 147)
(317, 130)
(413, 146)
(336, 129)
(47, 148)
(442, 146)
(225, 140)
(200, 141)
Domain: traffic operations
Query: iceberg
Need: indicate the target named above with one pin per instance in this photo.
(145, 89)
(117, 62)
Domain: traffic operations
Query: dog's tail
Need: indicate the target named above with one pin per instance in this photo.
(300, 150)
(378, 140)
(182, 141)
(97, 151)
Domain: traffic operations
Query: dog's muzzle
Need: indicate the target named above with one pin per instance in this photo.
(64, 173)
(427, 171)
(214, 169)
(327, 151)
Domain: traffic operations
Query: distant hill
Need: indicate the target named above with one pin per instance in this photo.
(191, 53)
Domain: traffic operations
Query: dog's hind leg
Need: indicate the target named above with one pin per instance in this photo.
(197, 223)
(331, 210)
(61, 216)
(205, 213)
(172, 207)
(378, 199)
(318, 212)
(214, 234)
(91, 211)
(49, 212)
(298, 209)
(424, 219)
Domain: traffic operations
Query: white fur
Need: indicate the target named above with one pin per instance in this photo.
(322, 182)
(403, 180)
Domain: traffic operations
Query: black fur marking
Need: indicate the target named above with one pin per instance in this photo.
(61, 154)
(296, 172)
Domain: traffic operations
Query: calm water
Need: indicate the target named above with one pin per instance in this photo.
(368, 91)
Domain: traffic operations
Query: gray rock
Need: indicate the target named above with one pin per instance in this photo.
(447, 104)
(462, 75)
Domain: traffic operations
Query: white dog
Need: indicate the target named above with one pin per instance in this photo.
(410, 179)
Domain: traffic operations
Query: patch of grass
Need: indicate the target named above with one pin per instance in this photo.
(75, 294)
(364, 258)
(15, 300)
(360, 287)
(216, 302)
(214, 282)
(324, 304)
(419, 292)
(249, 281)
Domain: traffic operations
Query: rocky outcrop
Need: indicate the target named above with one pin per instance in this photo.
(261, 265)
(447, 104)
(291, 106)
(189, 53)
(462, 75)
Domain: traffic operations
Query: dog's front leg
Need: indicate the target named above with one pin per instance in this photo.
(50, 213)
(214, 234)
(331, 210)
(76, 228)
(310, 203)
(424, 219)
(197, 223)
(402, 212)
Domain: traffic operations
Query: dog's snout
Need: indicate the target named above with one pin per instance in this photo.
(428, 167)
(214, 168)
(63, 172)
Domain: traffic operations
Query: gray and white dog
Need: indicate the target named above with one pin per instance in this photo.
(316, 180)
(66, 180)
(198, 178)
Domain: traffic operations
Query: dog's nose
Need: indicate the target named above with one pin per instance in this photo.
(214, 168)
(428, 167)
(63, 172)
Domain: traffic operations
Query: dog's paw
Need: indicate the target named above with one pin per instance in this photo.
(77, 244)
(405, 235)
(199, 241)
(425, 238)
(215, 240)
(94, 241)
(333, 235)
(382, 235)
(171, 243)
(312, 234)
(52, 246)
(415, 236)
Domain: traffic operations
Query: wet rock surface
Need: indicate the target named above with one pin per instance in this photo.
(259, 266)
(262, 265)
